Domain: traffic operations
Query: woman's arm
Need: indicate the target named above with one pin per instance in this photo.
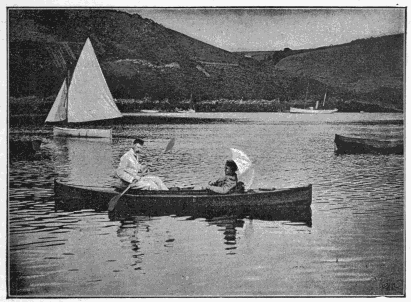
(225, 188)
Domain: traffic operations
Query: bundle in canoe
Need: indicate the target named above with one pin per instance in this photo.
(344, 144)
(182, 201)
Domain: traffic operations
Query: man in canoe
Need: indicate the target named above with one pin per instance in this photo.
(227, 184)
(129, 169)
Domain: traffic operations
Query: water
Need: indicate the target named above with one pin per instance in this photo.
(354, 244)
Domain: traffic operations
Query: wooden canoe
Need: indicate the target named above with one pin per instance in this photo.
(82, 132)
(177, 202)
(344, 144)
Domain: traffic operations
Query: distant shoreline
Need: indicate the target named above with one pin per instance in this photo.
(31, 107)
(26, 121)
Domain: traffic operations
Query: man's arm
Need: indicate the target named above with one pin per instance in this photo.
(125, 173)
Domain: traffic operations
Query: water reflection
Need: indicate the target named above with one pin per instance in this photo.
(87, 160)
(128, 233)
(132, 231)
(354, 243)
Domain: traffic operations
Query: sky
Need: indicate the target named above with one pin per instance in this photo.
(261, 29)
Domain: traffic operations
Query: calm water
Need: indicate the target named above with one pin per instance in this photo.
(353, 246)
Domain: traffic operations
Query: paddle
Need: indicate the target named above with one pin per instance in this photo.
(113, 202)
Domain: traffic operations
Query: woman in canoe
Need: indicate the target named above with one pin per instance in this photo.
(227, 184)
(129, 169)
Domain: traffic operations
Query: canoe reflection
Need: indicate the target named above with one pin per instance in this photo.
(292, 213)
(132, 230)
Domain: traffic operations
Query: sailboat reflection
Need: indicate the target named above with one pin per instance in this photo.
(86, 161)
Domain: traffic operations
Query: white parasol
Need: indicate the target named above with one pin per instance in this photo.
(241, 159)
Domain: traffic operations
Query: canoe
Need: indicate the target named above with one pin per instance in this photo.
(82, 132)
(24, 147)
(311, 110)
(176, 202)
(345, 144)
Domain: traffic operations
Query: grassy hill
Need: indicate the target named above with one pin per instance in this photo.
(372, 69)
(142, 59)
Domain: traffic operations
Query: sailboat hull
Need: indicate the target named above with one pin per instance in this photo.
(91, 133)
(311, 111)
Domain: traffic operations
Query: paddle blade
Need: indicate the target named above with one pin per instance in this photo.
(113, 202)
(170, 144)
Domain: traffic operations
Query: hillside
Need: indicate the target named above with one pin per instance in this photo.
(370, 68)
(142, 59)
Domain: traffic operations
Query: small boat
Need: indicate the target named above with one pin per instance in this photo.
(312, 110)
(149, 111)
(344, 144)
(178, 201)
(83, 98)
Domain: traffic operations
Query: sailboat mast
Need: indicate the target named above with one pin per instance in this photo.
(67, 93)
(325, 96)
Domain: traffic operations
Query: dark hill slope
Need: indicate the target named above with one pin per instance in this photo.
(371, 67)
(118, 34)
(44, 43)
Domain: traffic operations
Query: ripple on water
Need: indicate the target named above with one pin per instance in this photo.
(357, 219)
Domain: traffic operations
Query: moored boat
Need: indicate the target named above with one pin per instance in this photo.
(181, 201)
(311, 110)
(345, 144)
(85, 97)
(149, 111)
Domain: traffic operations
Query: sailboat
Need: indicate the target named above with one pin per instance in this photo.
(313, 110)
(84, 98)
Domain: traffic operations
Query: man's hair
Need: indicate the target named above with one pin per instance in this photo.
(138, 141)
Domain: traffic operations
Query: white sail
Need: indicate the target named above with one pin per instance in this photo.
(88, 97)
(58, 112)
